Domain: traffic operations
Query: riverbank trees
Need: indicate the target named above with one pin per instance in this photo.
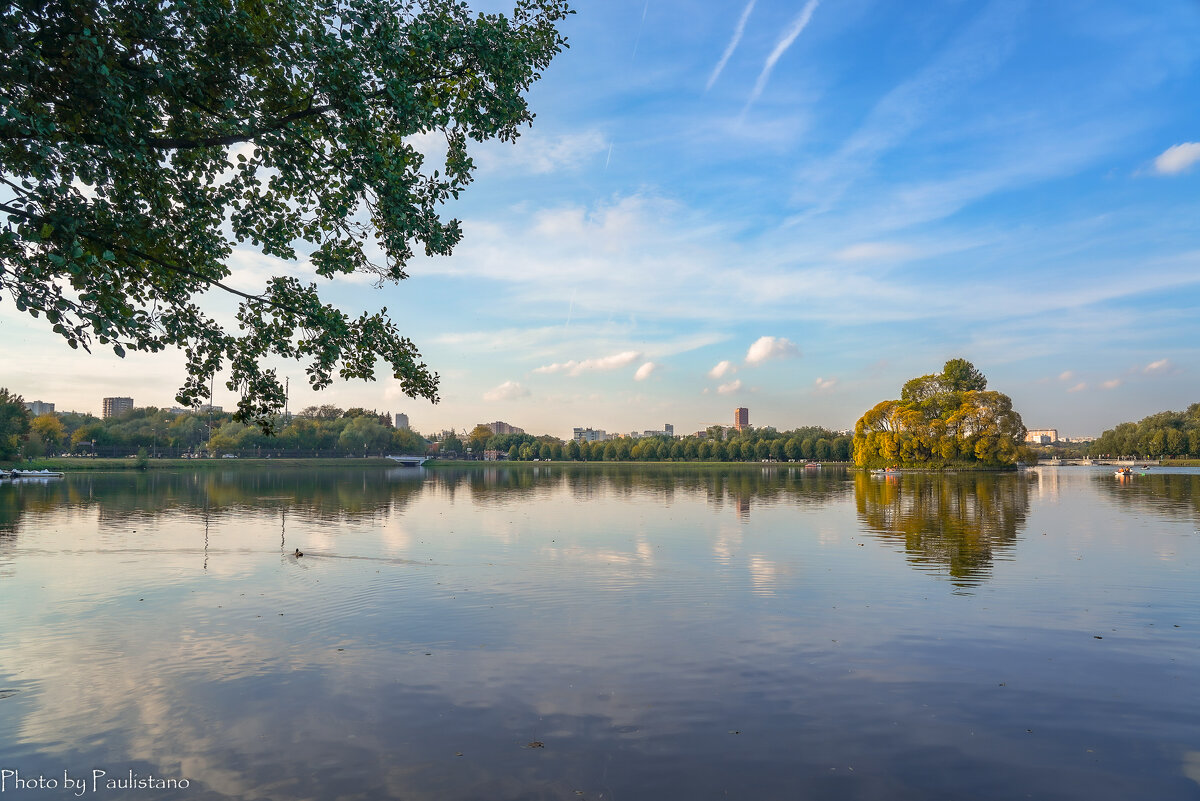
(1160, 435)
(940, 420)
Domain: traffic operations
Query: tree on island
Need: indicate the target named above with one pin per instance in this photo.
(141, 142)
(942, 420)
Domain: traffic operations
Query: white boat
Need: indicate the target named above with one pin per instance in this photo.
(409, 461)
(36, 474)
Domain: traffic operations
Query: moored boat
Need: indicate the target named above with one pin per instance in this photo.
(36, 474)
(409, 461)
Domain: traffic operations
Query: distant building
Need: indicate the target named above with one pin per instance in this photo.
(590, 435)
(494, 456)
(115, 407)
(669, 429)
(1042, 436)
(741, 418)
(401, 421)
(500, 428)
(202, 409)
(38, 408)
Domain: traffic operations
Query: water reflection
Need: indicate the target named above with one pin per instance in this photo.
(685, 633)
(956, 524)
(121, 500)
(1169, 494)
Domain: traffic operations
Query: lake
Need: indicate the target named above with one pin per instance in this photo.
(601, 632)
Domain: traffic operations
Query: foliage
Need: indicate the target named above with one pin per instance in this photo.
(942, 419)
(140, 142)
(1158, 435)
(14, 424)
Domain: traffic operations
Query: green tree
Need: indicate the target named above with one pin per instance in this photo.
(14, 423)
(477, 440)
(49, 429)
(135, 140)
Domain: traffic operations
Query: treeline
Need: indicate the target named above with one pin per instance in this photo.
(747, 446)
(330, 431)
(1160, 435)
(325, 431)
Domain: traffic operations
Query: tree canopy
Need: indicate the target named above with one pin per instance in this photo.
(142, 140)
(946, 418)
(1157, 435)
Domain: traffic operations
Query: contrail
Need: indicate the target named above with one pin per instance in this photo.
(610, 144)
(733, 43)
(641, 24)
(798, 25)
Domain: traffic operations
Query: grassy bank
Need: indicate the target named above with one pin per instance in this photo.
(709, 464)
(1180, 463)
(77, 464)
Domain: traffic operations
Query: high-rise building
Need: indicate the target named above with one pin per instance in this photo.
(741, 418)
(590, 435)
(500, 428)
(401, 421)
(669, 429)
(1042, 436)
(115, 407)
(38, 408)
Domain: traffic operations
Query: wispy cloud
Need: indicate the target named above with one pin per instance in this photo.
(1160, 367)
(722, 369)
(1112, 383)
(1177, 158)
(789, 36)
(732, 386)
(825, 384)
(603, 363)
(874, 251)
(540, 154)
(1080, 387)
(733, 43)
(509, 390)
(768, 348)
(645, 371)
(1066, 375)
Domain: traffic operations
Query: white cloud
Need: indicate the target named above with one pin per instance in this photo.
(1080, 387)
(645, 371)
(1177, 158)
(733, 43)
(604, 363)
(509, 390)
(539, 153)
(1066, 375)
(722, 369)
(874, 251)
(825, 384)
(1158, 368)
(1112, 383)
(732, 386)
(789, 36)
(767, 348)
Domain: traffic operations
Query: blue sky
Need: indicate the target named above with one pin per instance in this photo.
(795, 207)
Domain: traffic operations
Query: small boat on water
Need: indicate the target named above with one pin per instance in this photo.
(1124, 472)
(812, 465)
(409, 461)
(37, 474)
(886, 471)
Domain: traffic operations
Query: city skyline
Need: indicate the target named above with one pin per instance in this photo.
(794, 209)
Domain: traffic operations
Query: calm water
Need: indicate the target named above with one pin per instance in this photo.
(603, 633)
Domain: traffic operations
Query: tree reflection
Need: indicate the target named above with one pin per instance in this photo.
(1171, 495)
(956, 523)
(121, 499)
